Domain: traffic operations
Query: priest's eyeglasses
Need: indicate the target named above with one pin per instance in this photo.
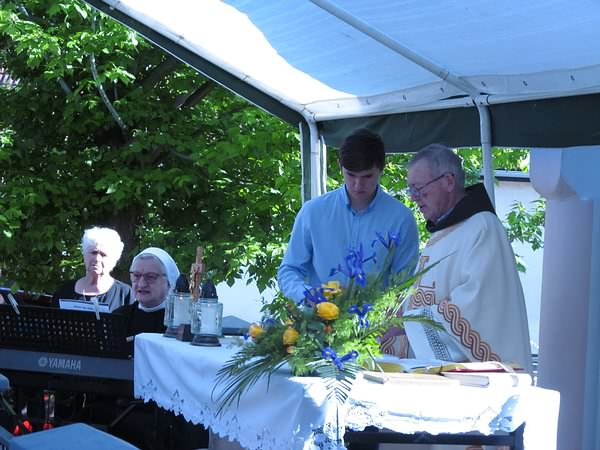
(149, 277)
(413, 191)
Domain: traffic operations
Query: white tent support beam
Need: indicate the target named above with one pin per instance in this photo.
(463, 102)
(313, 161)
(486, 147)
(323, 164)
(316, 167)
(305, 184)
(435, 69)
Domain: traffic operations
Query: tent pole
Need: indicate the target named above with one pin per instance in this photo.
(486, 147)
(313, 161)
(316, 166)
(323, 165)
(305, 162)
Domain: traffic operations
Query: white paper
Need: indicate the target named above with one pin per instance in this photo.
(82, 305)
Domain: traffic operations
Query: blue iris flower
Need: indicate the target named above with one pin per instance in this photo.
(393, 239)
(363, 322)
(330, 353)
(313, 296)
(268, 322)
(354, 261)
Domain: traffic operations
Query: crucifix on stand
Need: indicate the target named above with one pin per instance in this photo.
(184, 332)
(196, 274)
(207, 312)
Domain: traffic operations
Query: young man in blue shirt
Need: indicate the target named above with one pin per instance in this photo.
(349, 217)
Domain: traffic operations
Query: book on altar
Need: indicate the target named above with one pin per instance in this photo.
(491, 379)
(419, 379)
(389, 363)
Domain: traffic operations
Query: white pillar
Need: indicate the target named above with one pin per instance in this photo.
(568, 357)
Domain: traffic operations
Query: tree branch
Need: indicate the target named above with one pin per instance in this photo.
(197, 96)
(103, 96)
(152, 79)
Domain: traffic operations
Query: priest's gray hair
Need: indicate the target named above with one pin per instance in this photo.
(441, 159)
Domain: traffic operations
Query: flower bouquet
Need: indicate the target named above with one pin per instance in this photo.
(333, 333)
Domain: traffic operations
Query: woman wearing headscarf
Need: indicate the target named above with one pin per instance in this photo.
(102, 248)
(153, 276)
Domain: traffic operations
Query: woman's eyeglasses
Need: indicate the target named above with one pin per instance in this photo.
(149, 277)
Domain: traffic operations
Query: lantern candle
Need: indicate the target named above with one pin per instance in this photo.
(211, 313)
(181, 310)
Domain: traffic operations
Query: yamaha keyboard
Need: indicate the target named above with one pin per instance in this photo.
(66, 364)
(58, 349)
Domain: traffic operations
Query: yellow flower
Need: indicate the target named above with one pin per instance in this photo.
(328, 311)
(255, 330)
(290, 336)
(331, 289)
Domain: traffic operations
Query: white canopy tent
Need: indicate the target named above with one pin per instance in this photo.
(467, 73)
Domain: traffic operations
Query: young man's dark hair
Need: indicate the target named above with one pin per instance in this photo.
(362, 150)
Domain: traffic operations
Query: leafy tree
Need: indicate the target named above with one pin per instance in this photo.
(104, 129)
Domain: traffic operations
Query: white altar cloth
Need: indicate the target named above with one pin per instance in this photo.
(293, 412)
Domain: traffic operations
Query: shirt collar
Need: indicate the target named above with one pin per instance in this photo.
(378, 193)
(152, 309)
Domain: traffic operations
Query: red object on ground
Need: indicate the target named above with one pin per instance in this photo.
(17, 431)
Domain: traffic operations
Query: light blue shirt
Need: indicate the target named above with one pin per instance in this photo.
(327, 227)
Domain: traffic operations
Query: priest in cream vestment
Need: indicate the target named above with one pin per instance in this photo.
(474, 291)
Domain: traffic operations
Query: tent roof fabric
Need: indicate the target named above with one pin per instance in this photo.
(299, 61)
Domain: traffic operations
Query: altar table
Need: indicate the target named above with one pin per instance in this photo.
(294, 412)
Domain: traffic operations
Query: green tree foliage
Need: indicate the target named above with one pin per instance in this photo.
(105, 129)
(178, 162)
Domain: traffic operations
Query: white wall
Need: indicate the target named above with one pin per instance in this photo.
(243, 300)
(507, 193)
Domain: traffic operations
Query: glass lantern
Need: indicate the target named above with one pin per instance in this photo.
(178, 307)
(207, 319)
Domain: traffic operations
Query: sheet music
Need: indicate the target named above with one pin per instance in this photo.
(82, 305)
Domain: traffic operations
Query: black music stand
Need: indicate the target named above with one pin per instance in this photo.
(44, 348)
(64, 331)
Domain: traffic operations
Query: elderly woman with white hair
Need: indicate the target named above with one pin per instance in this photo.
(102, 248)
(153, 276)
